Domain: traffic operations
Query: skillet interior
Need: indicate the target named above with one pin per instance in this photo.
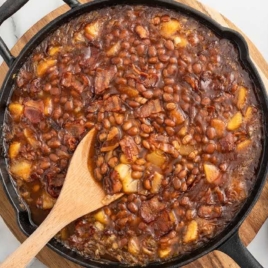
(24, 217)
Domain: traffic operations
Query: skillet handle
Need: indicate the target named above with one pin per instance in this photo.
(72, 3)
(7, 10)
(234, 248)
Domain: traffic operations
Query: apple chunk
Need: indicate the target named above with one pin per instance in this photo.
(212, 172)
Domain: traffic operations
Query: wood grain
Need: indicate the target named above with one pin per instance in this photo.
(213, 260)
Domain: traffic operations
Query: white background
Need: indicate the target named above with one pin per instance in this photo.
(249, 15)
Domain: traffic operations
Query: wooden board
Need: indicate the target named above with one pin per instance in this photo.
(215, 259)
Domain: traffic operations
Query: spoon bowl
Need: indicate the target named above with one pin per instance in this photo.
(80, 195)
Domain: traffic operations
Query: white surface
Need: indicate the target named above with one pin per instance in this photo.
(249, 15)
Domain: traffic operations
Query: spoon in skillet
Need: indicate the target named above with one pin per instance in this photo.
(80, 195)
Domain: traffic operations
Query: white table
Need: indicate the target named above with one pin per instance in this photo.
(249, 16)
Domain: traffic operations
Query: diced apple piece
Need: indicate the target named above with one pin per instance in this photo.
(101, 217)
(183, 131)
(191, 233)
(156, 182)
(180, 41)
(235, 122)
(164, 253)
(14, 149)
(129, 184)
(249, 113)
(169, 28)
(21, 169)
(99, 225)
(178, 116)
(79, 37)
(219, 126)
(15, 109)
(241, 98)
(48, 201)
(133, 246)
(212, 172)
(64, 234)
(93, 29)
(113, 50)
(123, 159)
(157, 158)
(243, 145)
(48, 106)
(29, 135)
(44, 65)
(53, 51)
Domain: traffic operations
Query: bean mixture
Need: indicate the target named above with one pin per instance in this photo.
(179, 130)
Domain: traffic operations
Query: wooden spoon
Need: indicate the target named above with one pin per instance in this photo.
(80, 195)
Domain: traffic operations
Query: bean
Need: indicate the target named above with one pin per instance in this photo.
(210, 148)
(152, 51)
(169, 45)
(211, 133)
(136, 175)
(164, 57)
(127, 125)
(113, 162)
(167, 97)
(137, 140)
(106, 123)
(132, 207)
(54, 157)
(100, 161)
(170, 122)
(146, 144)
(138, 167)
(170, 131)
(147, 184)
(197, 68)
(103, 168)
(133, 104)
(176, 183)
(146, 128)
(133, 131)
(171, 106)
(182, 174)
(119, 118)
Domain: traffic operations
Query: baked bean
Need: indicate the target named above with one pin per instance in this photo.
(133, 131)
(127, 125)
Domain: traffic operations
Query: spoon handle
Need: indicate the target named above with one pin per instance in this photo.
(28, 250)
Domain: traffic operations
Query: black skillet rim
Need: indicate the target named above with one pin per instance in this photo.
(24, 218)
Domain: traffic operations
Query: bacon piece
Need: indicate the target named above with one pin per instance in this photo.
(104, 78)
(151, 107)
(129, 148)
(112, 183)
(34, 111)
(156, 139)
(163, 224)
(210, 212)
(150, 209)
(227, 143)
(113, 104)
(24, 77)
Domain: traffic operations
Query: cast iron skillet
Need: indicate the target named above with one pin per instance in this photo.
(228, 240)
